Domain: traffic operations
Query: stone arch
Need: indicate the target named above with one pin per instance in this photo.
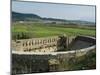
(52, 39)
(48, 40)
(40, 41)
(29, 43)
(43, 41)
(26, 43)
(32, 42)
(35, 42)
(23, 44)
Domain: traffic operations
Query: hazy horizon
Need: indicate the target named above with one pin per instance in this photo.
(58, 11)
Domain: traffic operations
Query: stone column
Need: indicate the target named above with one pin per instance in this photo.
(63, 42)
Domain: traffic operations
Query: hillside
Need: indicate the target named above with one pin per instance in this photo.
(33, 17)
(24, 17)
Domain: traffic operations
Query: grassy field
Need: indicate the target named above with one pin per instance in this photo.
(41, 30)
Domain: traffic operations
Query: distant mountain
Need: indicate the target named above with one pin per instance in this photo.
(33, 17)
(24, 17)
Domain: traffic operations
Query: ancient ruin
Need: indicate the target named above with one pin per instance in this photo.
(45, 54)
(47, 44)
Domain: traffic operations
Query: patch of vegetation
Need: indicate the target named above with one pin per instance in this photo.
(21, 35)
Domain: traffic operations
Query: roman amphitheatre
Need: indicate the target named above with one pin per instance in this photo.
(51, 37)
(49, 54)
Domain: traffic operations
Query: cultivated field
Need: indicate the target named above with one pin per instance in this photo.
(30, 30)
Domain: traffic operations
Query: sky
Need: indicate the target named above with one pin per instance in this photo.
(60, 11)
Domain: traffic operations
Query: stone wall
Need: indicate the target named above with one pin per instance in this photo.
(33, 63)
(47, 44)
